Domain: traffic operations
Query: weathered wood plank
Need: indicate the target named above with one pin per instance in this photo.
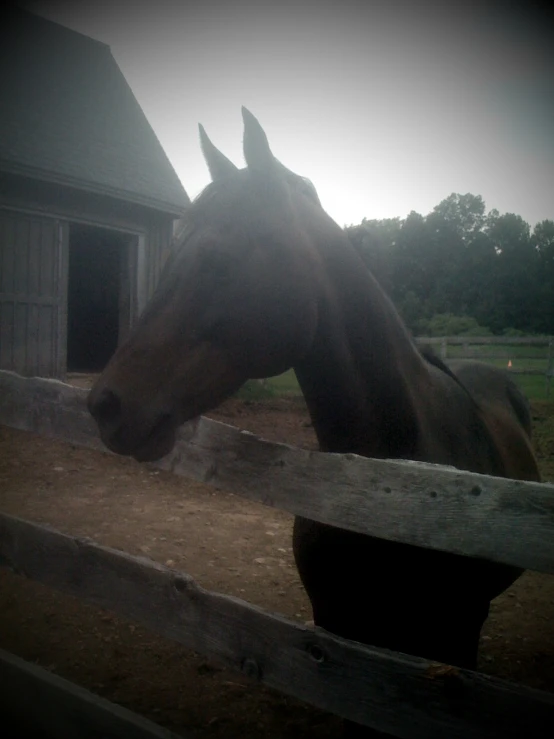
(422, 504)
(34, 702)
(406, 696)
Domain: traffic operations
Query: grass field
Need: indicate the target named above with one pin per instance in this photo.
(535, 387)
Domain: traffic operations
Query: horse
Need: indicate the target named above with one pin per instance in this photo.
(263, 280)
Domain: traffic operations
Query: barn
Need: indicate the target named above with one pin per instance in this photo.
(88, 199)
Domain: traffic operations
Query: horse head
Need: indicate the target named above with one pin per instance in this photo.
(236, 300)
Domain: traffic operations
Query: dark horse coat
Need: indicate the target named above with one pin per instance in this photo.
(262, 280)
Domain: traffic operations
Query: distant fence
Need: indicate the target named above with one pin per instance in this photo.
(491, 348)
(500, 520)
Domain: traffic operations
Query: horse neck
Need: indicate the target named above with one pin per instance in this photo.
(361, 376)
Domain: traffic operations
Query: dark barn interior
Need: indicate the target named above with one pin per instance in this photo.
(97, 291)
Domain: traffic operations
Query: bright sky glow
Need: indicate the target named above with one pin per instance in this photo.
(386, 107)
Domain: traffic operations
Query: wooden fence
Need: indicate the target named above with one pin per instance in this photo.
(479, 347)
(423, 504)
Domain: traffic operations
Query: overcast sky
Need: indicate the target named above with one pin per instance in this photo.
(387, 107)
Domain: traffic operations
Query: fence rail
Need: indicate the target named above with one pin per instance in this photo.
(428, 505)
(61, 709)
(353, 681)
(501, 520)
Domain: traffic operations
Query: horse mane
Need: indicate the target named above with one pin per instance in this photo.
(430, 356)
(427, 352)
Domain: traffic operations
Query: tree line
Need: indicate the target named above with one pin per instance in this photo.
(460, 269)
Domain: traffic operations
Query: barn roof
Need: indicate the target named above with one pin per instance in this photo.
(69, 116)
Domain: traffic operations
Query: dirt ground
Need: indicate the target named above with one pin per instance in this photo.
(227, 544)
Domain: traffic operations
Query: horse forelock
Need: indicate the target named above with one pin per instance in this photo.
(247, 201)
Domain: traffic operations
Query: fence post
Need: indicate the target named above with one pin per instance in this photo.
(444, 348)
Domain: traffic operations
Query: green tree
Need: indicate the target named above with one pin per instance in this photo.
(457, 225)
(412, 310)
(415, 261)
(513, 281)
(375, 240)
(460, 215)
(447, 324)
(542, 241)
(461, 261)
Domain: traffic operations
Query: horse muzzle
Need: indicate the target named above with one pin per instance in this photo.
(146, 435)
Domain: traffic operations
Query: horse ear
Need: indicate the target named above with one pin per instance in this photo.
(218, 164)
(257, 153)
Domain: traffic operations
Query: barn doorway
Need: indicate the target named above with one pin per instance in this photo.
(100, 295)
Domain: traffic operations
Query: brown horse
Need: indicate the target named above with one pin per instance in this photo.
(263, 280)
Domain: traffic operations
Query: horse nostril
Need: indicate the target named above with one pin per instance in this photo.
(106, 406)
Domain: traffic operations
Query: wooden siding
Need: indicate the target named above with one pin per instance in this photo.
(159, 239)
(32, 294)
